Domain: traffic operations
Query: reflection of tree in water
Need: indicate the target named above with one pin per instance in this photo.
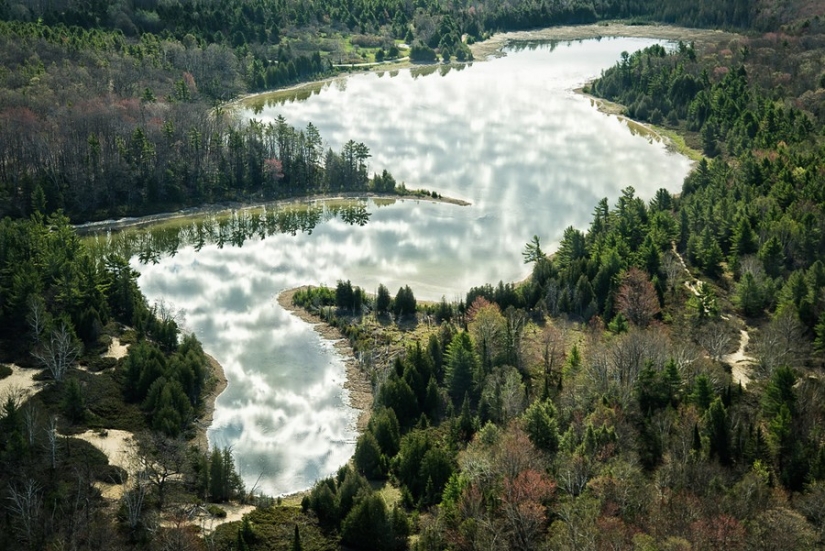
(228, 228)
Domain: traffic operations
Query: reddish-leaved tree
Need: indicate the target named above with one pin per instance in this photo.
(637, 299)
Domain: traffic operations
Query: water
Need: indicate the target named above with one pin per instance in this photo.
(508, 135)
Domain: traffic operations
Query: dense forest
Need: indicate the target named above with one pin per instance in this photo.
(601, 404)
(109, 108)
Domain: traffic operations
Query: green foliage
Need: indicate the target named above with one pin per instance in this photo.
(74, 404)
(368, 526)
(222, 479)
(382, 299)
(404, 303)
(314, 297)
(348, 298)
(780, 393)
(532, 251)
(461, 366)
(702, 394)
(717, 429)
(422, 53)
(368, 458)
(541, 426)
(276, 528)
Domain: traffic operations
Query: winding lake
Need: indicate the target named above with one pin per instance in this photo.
(509, 135)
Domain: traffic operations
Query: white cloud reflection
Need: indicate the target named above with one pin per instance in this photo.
(508, 135)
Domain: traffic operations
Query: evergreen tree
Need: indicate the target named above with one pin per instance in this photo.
(462, 365)
(382, 300)
(541, 426)
(717, 428)
(74, 405)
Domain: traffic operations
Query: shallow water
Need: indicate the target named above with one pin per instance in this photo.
(509, 135)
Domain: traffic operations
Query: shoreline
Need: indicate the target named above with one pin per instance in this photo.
(611, 108)
(87, 228)
(204, 421)
(484, 50)
(493, 46)
(357, 383)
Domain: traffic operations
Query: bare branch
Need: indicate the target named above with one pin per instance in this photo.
(59, 354)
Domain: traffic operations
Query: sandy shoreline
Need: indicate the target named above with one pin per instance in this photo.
(203, 422)
(360, 389)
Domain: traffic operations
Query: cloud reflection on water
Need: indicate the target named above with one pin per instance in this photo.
(508, 135)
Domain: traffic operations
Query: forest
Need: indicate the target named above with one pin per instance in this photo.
(103, 106)
(601, 404)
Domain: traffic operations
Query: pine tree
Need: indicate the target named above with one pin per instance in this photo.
(717, 427)
(74, 405)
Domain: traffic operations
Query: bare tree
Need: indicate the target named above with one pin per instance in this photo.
(133, 501)
(38, 318)
(51, 434)
(780, 343)
(553, 338)
(162, 459)
(25, 505)
(31, 419)
(516, 320)
(672, 267)
(715, 339)
(60, 353)
(512, 394)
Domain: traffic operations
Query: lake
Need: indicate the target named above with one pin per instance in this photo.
(508, 135)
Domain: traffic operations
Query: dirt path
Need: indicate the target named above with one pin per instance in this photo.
(360, 389)
(20, 384)
(121, 449)
(116, 349)
(740, 363)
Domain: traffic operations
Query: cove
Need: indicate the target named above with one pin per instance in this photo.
(508, 135)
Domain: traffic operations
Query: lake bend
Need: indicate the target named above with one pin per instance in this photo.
(508, 135)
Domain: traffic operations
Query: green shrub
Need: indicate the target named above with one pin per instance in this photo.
(216, 511)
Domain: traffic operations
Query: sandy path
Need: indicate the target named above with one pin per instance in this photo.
(739, 362)
(20, 384)
(116, 350)
(234, 512)
(121, 449)
(360, 389)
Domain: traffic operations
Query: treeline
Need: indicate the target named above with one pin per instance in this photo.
(106, 109)
(726, 108)
(760, 215)
(142, 156)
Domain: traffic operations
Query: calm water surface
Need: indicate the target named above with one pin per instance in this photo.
(508, 135)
